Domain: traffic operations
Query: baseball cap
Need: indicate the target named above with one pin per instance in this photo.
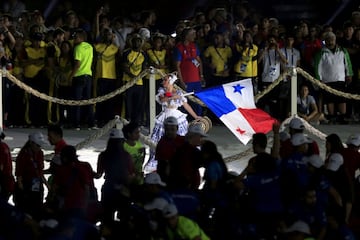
(284, 136)
(296, 123)
(171, 121)
(158, 203)
(170, 210)
(116, 133)
(314, 160)
(335, 161)
(299, 226)
(354, 139)
(299, 138)
(154, 178)
(38, 138)
(197, 129)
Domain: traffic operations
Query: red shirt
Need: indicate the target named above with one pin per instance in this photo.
(286, 149)
(166, 147)
(59, 145)
(8, 181)
(310, 48)
(187, 54)
(71, 181)
(29, 165)
(5, 159)
(351, 161)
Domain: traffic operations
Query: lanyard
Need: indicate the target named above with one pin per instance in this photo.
(156, 56)
(292, 56)
(132, 63)
(219, 55)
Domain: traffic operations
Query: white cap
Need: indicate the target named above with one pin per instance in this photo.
(144, 33)
(296, 123)
(170, 210)
(154, 178)
(197, 129)
(171, 121)
(116, 133)
(158, 203)
(38, 138)
(299, 138)
(314, 160)
(335, 161)
(299, 226)
(354, 139)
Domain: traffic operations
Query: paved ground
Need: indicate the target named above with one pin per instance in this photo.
(227, 143)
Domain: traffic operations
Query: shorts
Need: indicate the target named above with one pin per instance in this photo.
(329, 97)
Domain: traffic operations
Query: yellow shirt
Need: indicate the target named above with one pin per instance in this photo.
(106, 61)
(247, 66)
(158, 58)
(219, 58)
(135, 61)
(32, 69)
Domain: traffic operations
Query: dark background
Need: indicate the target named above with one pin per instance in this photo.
(170, 11)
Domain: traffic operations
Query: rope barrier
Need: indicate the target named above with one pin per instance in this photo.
(326, 87)
(147, 140)
(90, 101)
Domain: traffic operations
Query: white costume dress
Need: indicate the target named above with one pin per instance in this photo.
(169, 108)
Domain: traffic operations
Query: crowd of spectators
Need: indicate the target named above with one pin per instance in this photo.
(283, 194)
(222, 45)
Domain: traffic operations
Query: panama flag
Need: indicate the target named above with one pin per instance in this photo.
(233, 103)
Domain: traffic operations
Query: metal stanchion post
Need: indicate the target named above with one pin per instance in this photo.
(152, 101)
(293, 92)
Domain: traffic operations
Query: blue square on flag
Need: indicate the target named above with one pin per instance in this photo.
(233, 103)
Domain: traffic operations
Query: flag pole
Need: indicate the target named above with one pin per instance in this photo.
(293, 91)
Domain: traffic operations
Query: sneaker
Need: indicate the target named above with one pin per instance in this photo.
(77, 128)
